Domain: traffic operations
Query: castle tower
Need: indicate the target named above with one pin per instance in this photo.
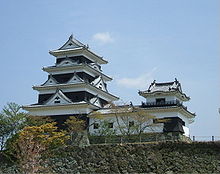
(165, 102)
(76, 84)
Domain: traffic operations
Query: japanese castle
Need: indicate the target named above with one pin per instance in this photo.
(76, 86)
(165, 102)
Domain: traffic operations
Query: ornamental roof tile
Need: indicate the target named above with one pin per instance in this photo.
(72, 43)
(167, 86)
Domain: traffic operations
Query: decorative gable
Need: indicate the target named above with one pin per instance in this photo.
(58, 98)
(99, 83)
(50, 81)
(95, 66)
(67, 62)
(71, 44)
(96, 101)
(75, 79)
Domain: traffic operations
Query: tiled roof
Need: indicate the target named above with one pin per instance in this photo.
(167, 86)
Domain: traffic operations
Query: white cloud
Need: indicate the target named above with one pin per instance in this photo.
(103, 38)
(140, 82)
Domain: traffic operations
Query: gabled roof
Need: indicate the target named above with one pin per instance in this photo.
(86, 87)
(95, 66)
(72, 43)
(73, 46)
(67, 62)
(83, 67)
(99, 83)
(165, 88)
(95, 101)
(63, 78)
(75, 79)
(51, 110)
(58, 98)
(50, 81)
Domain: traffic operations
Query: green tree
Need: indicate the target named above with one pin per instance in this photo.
(34, 141)
(129, 120)
(104, 129)
(36, 120)
(12, 120)
(77, 130)
(133, 120)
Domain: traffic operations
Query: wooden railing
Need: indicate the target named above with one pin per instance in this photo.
(162, 103)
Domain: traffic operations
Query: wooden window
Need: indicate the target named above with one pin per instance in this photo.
(160, 100)
(110, 125)
(57, 100)
(100, 85)
(131, 123)
(96, 126)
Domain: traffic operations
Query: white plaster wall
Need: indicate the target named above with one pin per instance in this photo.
(186, 131)
(173, 114)
(156, 128)
(184, 118)
(164, 114)
(167, 98)
(59, 111)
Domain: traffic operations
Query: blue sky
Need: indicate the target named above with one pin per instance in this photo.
(142, 40)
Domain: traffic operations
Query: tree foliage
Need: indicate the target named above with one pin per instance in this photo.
(11, 121)
(104, 129)
(129, 120)
(33, 141)
(37, 120)
(76, 128)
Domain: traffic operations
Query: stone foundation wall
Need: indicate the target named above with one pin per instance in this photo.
(137, 158)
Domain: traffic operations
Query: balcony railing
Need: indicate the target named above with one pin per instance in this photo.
(161, 104)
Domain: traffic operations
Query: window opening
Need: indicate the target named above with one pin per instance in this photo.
(131, 123)
(96, 126)
(100, 85)
(57, 101)
(160, 100)
(110, 125)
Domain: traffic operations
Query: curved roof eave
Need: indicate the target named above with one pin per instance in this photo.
(53, 68)
(114, 98)
(145, 93)
(82, 49)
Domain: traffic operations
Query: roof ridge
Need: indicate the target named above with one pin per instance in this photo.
(73, 40)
